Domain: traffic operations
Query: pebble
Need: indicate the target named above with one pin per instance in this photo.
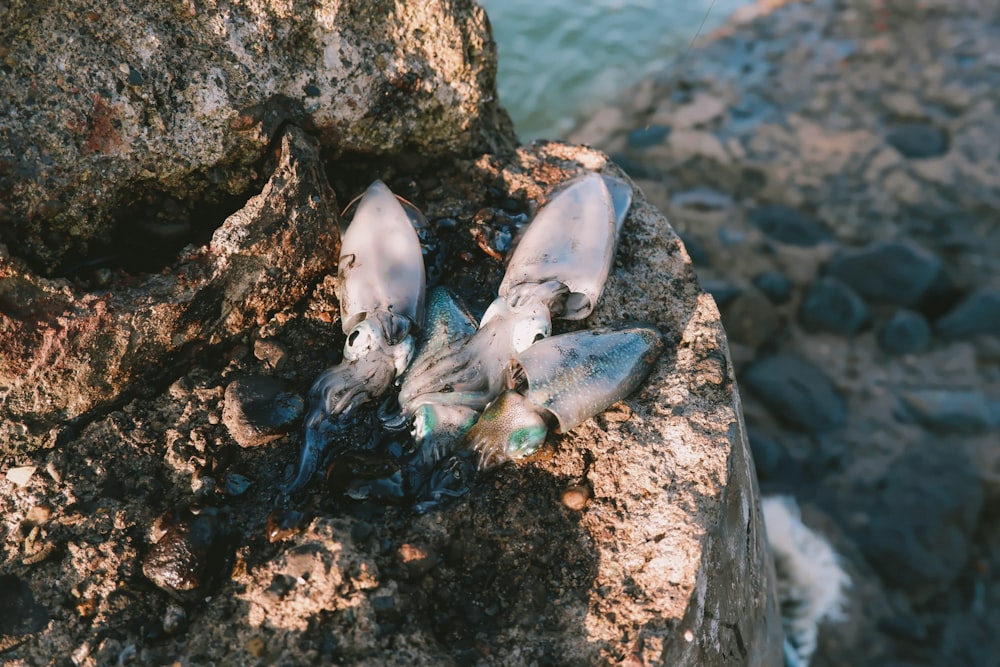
(962, 411)
(256, 647)
(417, 559)
(906, 332)
(775, 285)
(258, 409)
(37, 515)
(796, 392)
(788, 225)
(977, 314)
(701, 199)
(234, 484)
(576, 497)
(892, 272)
(285, 523)
(702, 110)
(186, 558)
(271, 352)
(650, 135)
(923, 518)
(830, 305)
(918, 140)
(21, 475)
(174, 619)
(751, 318)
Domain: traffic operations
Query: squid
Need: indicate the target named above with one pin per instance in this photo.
(380, 287)
(461, 385)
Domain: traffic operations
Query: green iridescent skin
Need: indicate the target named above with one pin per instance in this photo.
(511, 427)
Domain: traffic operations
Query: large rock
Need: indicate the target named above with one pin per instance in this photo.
(637, 537)
(66, 352)
(109, 111)
(660, 559)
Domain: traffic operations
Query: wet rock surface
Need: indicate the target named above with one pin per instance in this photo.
(861, 130)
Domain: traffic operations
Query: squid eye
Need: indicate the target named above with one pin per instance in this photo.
(361, 340)
(529, 332)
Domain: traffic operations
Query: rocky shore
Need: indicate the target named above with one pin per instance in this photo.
(834, 170)
(169, 293)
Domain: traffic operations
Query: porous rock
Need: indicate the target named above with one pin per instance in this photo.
(665, 563)
(105, 106)
(259, 409)
(65, 352)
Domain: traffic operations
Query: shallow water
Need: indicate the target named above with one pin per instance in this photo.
(560, 59)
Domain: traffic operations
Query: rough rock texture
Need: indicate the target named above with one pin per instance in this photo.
(665, 563)
(139, 447)
(868, 126)
(67, 352)
(117, 120)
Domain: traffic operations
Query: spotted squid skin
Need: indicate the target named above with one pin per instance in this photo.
(380, 287)
(570, 378)
(577, 375)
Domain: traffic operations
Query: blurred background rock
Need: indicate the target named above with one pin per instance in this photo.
(833, 168)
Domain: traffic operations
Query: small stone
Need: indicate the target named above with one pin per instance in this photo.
(21, 475)
(797, 392)
(976, 314)
(285, 523)
(258, 409)
(789, 225)
(256, 647)
(962, 411)
(417, 559)
(751, 318)
(576, 497)
(234, 484)
(830, 305)
(893, 272)
(731, 236)
(775, 285)
(187, 557)
(650, 135)
(134, 77)
(722, 291)
(701, 199)
(688, 144)
(311, 90)
(906, 332)
(174, 619)
(37, 515)
(918, 140)
(922, 519)
(702, 110)
(271, 352)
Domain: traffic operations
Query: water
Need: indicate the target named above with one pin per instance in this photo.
(560, 59)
